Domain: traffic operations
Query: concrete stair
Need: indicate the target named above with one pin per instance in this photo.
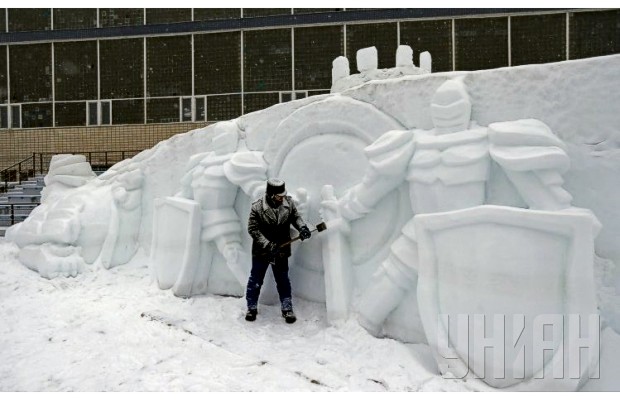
(17, 204)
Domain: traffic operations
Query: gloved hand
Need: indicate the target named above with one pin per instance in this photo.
(273, 249)
(304, 233)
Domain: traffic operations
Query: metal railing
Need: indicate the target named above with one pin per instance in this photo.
(13, 213)
(38, 163)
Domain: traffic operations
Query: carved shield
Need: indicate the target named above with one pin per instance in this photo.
(175, 248)
(494, 276)
(323, 143)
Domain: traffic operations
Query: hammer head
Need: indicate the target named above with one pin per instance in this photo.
(321, 227)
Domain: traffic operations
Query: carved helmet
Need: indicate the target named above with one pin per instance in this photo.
(275, 187)
(451, 106)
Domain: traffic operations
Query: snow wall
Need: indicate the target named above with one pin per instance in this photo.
(578, 100)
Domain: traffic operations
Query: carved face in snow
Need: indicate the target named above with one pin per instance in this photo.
(451, 108)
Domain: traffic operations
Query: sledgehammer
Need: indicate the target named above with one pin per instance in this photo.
(319, 228)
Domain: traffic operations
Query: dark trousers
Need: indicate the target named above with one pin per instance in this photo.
(257, 275)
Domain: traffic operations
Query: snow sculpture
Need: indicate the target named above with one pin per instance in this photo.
(426, 61)
(202, 221)
(320, 143)
(121, 242)
(340, 68)
(447, 169)
(404, 56)
(367, 65)
(339, 276)
(429, 213)
(515, 270)
(80, 220)
(367, 59)
(66, 171)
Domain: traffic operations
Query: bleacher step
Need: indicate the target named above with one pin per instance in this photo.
(23, 198)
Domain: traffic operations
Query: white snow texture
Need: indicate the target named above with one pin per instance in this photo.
(480, 193)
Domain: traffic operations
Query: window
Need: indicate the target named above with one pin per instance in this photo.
(163, 110)
(267, 60)
(433, 36)
(3, 74)
(120, 17)
(481, 43)
(31, 72)
(122, 64)
(181, 109)
(537, 39)
(35, 115)
(168, 15)
(127, 112)
(92, 117)
(217, 63)
(10, 116)
(75, 18)
(288, 96)
(314, 10)
(223, 107)
(16, 116)
(29, 19)
(97, 109)
(4, 117)
(381, 36)
(201, 104)
(70, 114)
(315, 50)
(258, 101)
(169, 66)
(75, 70)
(265, 12)
(106, 112)
(186, 108)
(594, 34)
(205, 14)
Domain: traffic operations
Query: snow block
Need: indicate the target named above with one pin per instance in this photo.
(404, 56)
(426, 61)
(367, 59)
(340, 68)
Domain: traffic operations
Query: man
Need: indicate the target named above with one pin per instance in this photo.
(269, 225)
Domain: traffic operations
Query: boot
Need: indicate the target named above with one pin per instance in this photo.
(251, 315)
(289, 316)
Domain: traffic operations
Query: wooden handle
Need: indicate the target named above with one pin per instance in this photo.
(294, 239)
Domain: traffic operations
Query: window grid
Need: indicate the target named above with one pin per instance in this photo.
(231, 73)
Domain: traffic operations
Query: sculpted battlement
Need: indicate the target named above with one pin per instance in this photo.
(367, 65)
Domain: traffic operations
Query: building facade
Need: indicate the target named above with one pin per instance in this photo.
(76, 80)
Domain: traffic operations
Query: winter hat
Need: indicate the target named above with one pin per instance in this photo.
(275, 187)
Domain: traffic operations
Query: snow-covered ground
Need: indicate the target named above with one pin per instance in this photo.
(115, 330)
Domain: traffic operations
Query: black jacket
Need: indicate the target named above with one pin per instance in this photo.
(265, 227)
